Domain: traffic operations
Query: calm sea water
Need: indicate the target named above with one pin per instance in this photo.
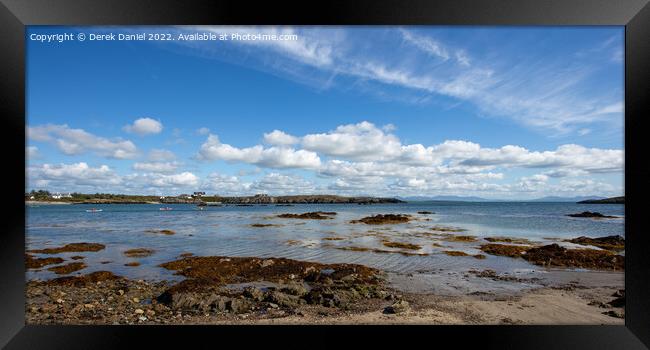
(227, 231)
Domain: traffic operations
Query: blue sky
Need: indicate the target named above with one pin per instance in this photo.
(496, 112)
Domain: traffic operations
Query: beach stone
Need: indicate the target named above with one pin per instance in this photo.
(253, 293)
(282, 299)
(267, 262)
(295, 289)
(139, 311)
(397, 307)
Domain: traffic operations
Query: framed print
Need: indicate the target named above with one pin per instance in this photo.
(421, 169)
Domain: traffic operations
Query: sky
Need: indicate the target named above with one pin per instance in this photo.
(494, 112)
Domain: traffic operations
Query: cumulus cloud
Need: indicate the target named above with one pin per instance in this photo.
(279, 138)
(156, 167)
(272, 157)
(78, 141)
(182, 180)
(144, 126)
(74, 175)
(362, 141)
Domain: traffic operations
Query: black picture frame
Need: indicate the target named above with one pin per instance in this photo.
(633, 14)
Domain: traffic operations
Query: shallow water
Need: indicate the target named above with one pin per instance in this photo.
(227, 231)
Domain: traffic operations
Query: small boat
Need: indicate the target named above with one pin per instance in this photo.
(166, 208)
(93, 210)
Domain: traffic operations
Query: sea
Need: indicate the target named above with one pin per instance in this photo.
(228, 231)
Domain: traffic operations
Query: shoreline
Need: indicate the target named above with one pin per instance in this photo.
(125, 301)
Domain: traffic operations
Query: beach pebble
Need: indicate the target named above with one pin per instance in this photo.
(397, 307)
(139, 311)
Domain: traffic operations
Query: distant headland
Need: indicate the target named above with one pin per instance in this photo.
(613, 200)
(199, 198)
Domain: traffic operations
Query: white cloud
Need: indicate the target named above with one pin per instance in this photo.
(426, 44)
(549, 95)
(362, 141)
(203, 131)
(306, 48)
(272, 157)
(156, 167)
(182, 180)
(279, 138)
(66, 176)
(31, 151)
(78, 141)
(144, 126)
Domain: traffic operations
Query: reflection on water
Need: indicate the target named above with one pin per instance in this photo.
(230, 231)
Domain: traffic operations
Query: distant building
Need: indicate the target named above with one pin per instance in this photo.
(198, 194)
(185, 196)
(57, 196)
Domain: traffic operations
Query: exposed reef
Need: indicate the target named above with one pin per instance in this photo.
(384, 219)
(72, 247)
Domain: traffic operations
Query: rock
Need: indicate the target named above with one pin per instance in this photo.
(139, 311)
(383, 219)
(282, 299)
(620, 299)
(589, 214)
(397, 307)
(513, 251)
(267, 262)
(555, 255)
(138, 252)
(615, 243)
(237, 305)
(34, 263)
(294, 288)
(402, 245)
(317, 215)
(72, 247)
(613, 313)
(253, 293)
(68, 268)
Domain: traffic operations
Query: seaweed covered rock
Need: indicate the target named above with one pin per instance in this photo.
(589, 214)
(513, 251)
(555, 255)
(67, 268)
(33, 263)
(381, 219)
(316, 215)
(615, 243)
(72, 247)
(289, 283)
